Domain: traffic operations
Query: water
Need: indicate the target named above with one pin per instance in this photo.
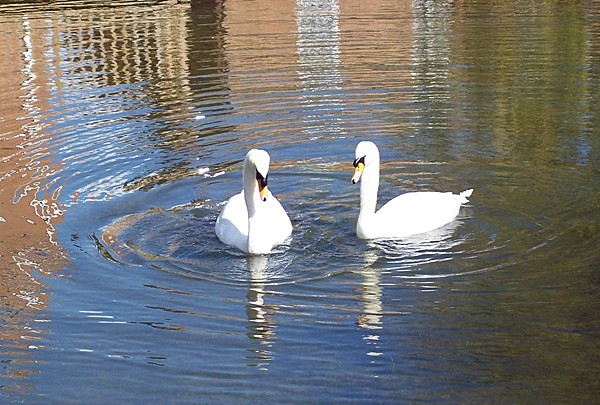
(123, 130)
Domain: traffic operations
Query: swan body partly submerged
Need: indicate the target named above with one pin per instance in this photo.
(254, 220)
(408, 214)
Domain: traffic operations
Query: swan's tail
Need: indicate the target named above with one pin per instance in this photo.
(466, 194)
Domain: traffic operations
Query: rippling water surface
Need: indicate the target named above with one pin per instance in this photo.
(122, 134)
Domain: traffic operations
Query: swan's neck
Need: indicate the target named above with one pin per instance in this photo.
(369, 184)
(253, 205)
(251, 193)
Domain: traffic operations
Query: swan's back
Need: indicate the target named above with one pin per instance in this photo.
(419, 212)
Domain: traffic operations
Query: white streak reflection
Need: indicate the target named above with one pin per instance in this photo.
(406, 256)
(318, 45)
(261, 327)
(372, 312)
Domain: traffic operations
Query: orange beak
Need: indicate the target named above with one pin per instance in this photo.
(357, 172)
(263, 191)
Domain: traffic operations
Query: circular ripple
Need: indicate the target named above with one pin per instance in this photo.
(181, 240)
(490, 234)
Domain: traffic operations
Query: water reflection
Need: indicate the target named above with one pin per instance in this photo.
(128, 74)
(408, 254)
(371, 317)
(62, 74)
(319, 57)
(261, 324)
(29, 196)
(406, 259)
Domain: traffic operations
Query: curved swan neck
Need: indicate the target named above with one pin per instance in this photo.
(250, 188)
(256, 243)
(369, 187)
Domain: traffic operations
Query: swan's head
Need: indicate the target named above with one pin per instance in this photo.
(258, 160)
(366, 153)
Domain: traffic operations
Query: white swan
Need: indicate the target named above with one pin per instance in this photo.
(408, 214)
(253, 220)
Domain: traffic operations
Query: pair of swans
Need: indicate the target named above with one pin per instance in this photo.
(254, 220)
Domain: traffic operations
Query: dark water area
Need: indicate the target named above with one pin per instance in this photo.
(122, 133)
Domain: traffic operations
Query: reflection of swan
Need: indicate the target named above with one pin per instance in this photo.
(371, 317)
(437, 243)
(260, 323)
(371, 299)
(418, 257)
(253, 220)
(393, 257)
(407, 214)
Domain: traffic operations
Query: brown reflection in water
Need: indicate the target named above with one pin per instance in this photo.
(44, 57)
(385, 66)
(146, 46)
(29, 209)
(325, 51)
(535, 80)
(260, 40)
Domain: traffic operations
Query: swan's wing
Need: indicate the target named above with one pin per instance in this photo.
(270, 226)
(279, 221)
(274, 225)
(413, 213)
(273, 222)
(232, 224)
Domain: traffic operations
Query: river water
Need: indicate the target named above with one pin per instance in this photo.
(122, 132)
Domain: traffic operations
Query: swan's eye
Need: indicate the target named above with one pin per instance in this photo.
(262, 180)
(359, 160)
